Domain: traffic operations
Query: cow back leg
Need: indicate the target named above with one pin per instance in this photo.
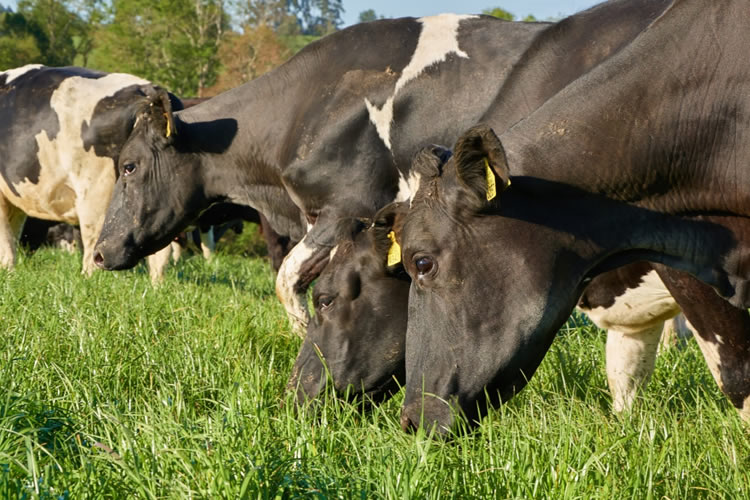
(630, 363)
(634, 320)
(722, 332)
(11, 224)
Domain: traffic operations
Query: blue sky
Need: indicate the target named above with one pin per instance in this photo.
(542, 9)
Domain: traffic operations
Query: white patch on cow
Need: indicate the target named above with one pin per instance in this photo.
(14, 73)
(630, 363)
(289, 274)
(407, 188)
(74, 185)
(638, 309)
(438, 39)
(333, 253)
(711, 354)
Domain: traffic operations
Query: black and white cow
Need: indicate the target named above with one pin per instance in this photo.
(61, 130)
(644, 158)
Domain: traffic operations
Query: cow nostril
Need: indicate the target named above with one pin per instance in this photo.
(406, 423)
(99, 259)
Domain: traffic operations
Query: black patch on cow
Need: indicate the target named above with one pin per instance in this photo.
(25, 111)
(605, 288)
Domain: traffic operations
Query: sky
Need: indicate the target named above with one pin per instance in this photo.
(541, 9)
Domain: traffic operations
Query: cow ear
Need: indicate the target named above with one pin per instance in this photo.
(386, 234)
(159, 113)
(481, 164)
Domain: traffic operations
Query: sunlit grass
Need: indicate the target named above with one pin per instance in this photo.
(111, 388)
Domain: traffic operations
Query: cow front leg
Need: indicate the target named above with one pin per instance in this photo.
(11, 224)
(303, 264)
(157, 264)
(630, 363)
(722, 332)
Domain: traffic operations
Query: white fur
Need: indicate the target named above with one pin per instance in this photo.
(14, 73)
(294, 303)
(638, 309)
(745, 410)
(711, 354)
(208, 243)
(630, 363)
(438, 39)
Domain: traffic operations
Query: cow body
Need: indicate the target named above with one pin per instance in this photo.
(643, 158)
(60, 134)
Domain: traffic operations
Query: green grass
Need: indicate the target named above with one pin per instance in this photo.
(110, 388)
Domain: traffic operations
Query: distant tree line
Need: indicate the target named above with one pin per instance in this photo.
(192, 47)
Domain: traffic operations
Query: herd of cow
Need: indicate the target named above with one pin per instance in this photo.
(601, 161)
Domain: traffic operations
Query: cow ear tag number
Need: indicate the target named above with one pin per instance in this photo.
(394, 253)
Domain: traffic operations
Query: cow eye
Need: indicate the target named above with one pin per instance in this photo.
(128, 168)
(324, 302)
(424, 265)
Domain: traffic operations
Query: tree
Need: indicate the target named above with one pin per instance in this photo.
(499, 13)
(368, 15)
(19, 41)
(171, 42)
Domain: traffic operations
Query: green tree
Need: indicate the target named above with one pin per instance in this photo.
(66, 34)
(499, 13)
(367, 16)
(19, 41)
(172, 42)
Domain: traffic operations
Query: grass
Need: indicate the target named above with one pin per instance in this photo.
(110, 388)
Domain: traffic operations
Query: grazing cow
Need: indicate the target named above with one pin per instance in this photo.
(360, 320)
(643, 158)
(60, 134)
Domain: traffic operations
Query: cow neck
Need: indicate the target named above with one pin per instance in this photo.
(567, 50)
(660, 125)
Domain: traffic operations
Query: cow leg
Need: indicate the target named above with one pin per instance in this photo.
(722, 332)
(675, 332)
(208, 243)
(157, 264)
(11, 225)
(632, 304)
(630, 363)
(300, 267)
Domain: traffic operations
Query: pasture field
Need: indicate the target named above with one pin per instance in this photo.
(111, 388)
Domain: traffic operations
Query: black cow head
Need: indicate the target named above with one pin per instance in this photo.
(359, 325)
(161, 183)
(470, 343)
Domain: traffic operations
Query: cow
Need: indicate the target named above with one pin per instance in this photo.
(357, 335)
(643, 158)
(60, 134)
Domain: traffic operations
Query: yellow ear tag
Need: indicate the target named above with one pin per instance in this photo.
(394, 253)
(169, 129)
(491, 186)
